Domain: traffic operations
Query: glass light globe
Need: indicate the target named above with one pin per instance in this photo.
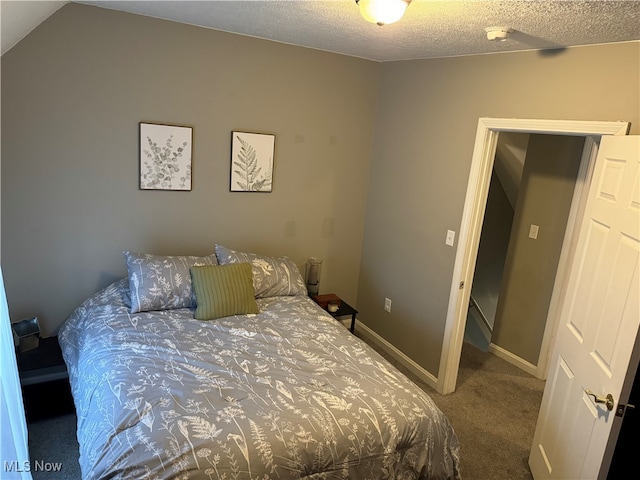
(382, 12)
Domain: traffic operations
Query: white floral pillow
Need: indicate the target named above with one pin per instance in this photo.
(272, 276)
(162, 282)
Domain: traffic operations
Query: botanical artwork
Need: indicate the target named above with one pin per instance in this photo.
(165, 157)
(252, 162)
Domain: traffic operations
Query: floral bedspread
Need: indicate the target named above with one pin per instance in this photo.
(288, 393)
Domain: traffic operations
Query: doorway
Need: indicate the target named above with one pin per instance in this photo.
(473, 213)
(502, 199)
(527, 209)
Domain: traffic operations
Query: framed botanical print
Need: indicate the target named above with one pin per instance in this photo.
(165, 157)
(252, 161)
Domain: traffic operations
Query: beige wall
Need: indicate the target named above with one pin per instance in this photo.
(426, 122)
(73, 92)
(546, 191)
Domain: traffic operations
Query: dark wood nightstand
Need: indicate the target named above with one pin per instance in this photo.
(343, 311)
(42, 364)
(44, 379)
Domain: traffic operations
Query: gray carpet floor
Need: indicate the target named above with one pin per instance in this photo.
(493, 411)
(53, 440)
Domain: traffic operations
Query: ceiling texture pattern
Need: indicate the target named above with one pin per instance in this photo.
(429, 28)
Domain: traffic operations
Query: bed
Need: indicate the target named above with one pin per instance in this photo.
(283, 393)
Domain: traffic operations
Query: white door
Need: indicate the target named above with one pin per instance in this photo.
(598, 322)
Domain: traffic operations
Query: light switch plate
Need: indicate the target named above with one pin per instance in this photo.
(451, 236)
(533, 231)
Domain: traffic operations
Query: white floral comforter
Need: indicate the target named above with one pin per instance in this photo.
(285, 394)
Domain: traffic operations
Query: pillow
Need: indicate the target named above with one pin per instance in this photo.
(272, 276)
(223, 290)
(161, 282)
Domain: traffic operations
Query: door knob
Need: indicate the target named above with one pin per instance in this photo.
(608, 400)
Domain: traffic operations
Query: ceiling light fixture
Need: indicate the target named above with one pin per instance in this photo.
(499, 34)
(382, 12)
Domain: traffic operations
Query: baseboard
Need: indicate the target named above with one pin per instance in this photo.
(397, 355)
(423, 374)
(513, 359)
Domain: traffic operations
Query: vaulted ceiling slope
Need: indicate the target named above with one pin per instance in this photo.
(429, 28)
(19, 18)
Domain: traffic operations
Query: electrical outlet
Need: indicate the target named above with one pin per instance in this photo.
(387, 305)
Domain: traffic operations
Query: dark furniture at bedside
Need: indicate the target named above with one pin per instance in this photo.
(44, 380)
(343, 311)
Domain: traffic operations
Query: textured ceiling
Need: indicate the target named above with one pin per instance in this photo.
(429, 28)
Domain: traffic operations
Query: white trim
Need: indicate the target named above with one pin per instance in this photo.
(405, 361)
(472, 218)
(554, 127)
(509, 357)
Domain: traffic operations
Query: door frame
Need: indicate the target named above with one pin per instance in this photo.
(471, 226)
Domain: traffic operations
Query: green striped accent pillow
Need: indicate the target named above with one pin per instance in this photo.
(223, 290)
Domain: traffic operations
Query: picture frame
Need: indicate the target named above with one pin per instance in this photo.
(166, 153)
(252, 160)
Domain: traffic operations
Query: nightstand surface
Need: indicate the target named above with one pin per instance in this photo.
(344, 310)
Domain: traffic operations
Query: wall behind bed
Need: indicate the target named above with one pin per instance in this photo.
(73, 93)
